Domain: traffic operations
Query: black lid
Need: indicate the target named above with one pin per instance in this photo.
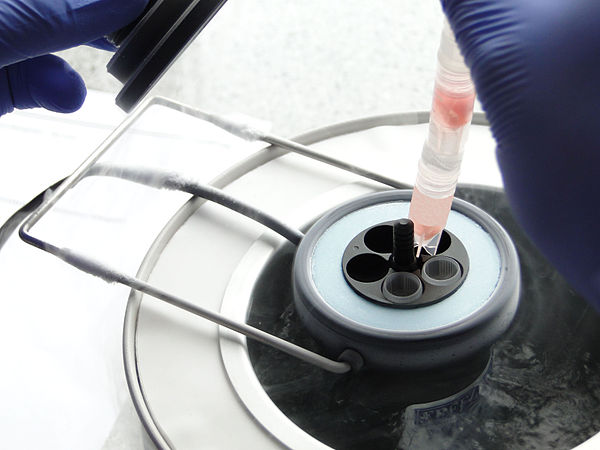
(148, 47)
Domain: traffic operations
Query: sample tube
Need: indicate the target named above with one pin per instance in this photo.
(439, 166)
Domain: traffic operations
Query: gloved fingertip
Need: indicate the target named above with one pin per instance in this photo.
(48, 82)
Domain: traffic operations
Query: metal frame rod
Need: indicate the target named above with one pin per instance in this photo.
(80, 172)
(172, 181)
(98, 269)
(304, 150)
(246, 132)
(110, 275)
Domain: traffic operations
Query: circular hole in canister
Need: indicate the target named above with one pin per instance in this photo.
(445, 242)
(380, 238)
(441, 271)
(402, 287)
(367, 268)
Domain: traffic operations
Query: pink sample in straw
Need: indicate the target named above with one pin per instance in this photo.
(439, 166)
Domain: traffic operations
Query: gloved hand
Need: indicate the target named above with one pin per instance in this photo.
(31, 29)
(536, 67)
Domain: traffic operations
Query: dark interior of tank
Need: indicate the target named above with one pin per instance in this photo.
(538, 387)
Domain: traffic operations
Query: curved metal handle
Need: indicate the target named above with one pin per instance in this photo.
(349, 360)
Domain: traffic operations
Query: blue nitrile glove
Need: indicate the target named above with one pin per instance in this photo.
(31, 29)
(536, 67)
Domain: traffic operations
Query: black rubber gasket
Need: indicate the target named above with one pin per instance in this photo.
(145, 36)
(119, 36)
(155, 42)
